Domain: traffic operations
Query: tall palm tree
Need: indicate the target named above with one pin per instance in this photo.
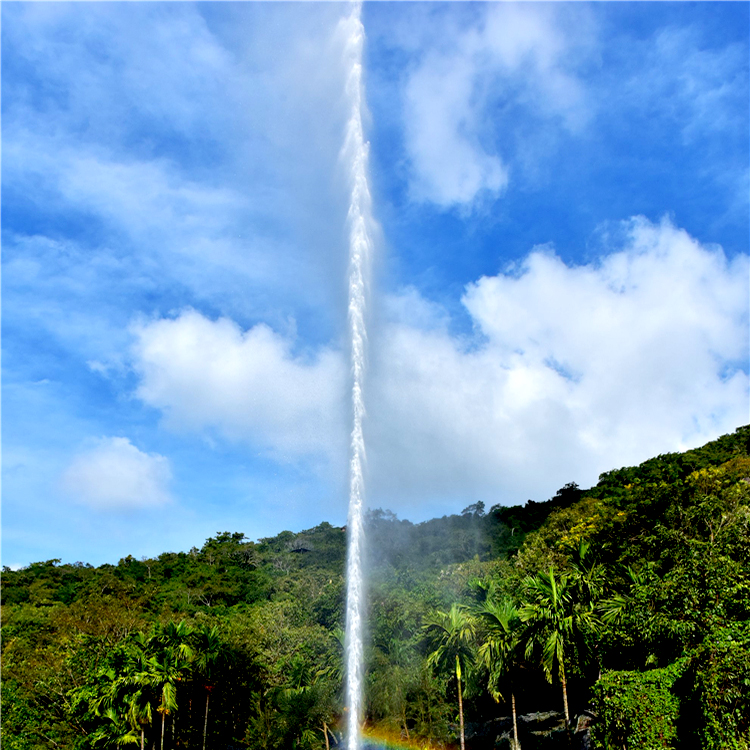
(171, 658)
(450, 636)
(139, 711)
(131, 679)
(614, 608)
(163, 675)
(501, 648)
(208, 654)
(111, 705)
(555, 623)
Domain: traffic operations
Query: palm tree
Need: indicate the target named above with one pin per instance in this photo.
(139, 711)
(450, 636)
(115, 731)
(616, 605)
(162, 676)
(334, 670)
(589, 576)
(175, 637)
(555, 623)
(395, 676)
(157, 663)
(208, 654)
(121, 700)
(500, 650)
(131, 679)
(111, 704)
(166, 667)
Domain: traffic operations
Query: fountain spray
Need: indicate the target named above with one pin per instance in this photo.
(359, 222)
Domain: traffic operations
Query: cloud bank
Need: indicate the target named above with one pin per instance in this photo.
(571, 371)
(115, 475)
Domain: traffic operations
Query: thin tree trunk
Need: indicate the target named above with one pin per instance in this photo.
(325, 734)
(141, 738)
(163, 715)
(429, 714)
(515, 725)
(205, 720)
(565, 695)
(460, 704)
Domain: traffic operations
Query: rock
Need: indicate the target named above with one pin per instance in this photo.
(582, 735)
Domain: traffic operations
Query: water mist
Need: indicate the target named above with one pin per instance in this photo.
(359, 220)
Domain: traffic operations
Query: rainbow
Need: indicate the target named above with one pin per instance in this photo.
(380, 738)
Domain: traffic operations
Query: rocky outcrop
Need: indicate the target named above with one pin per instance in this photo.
(544, 730)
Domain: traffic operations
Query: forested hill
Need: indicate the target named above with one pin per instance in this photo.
(238, 642)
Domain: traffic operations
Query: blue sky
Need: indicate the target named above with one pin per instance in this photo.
(560, 284)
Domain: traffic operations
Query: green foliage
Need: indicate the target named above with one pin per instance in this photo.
(450, 637)
(672, 468)
(500, 637)
(638, 709)
(720, 707)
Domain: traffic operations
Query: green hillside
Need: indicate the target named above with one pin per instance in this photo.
(633, 594)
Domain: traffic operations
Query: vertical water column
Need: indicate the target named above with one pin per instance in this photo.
(359, 219)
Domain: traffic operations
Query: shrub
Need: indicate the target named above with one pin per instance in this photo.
(721, 689)
(638, 710)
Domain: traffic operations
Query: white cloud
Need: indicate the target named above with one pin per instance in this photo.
(572, 371)
(116, 475)
(454, 97)
(449, 164)
(579, 370)
(247, 385)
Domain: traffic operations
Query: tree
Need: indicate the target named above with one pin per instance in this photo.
(209, 655)
(394, 676)
(170, 657)
(108, 698)
(139, 711)
(501, 648)
(114, 731)
(450, 637)
(555, 623)
(162, 675)
(589, 576)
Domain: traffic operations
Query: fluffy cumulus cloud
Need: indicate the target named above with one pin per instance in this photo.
(244, 385)
(574, 371)
(457, 95)
(115, 475)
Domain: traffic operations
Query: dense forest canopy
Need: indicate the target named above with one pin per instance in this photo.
(624, 607)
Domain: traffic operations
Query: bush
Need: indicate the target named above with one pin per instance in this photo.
(638, 710)
(721, 689)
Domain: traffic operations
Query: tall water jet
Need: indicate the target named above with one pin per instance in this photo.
(359, 221)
